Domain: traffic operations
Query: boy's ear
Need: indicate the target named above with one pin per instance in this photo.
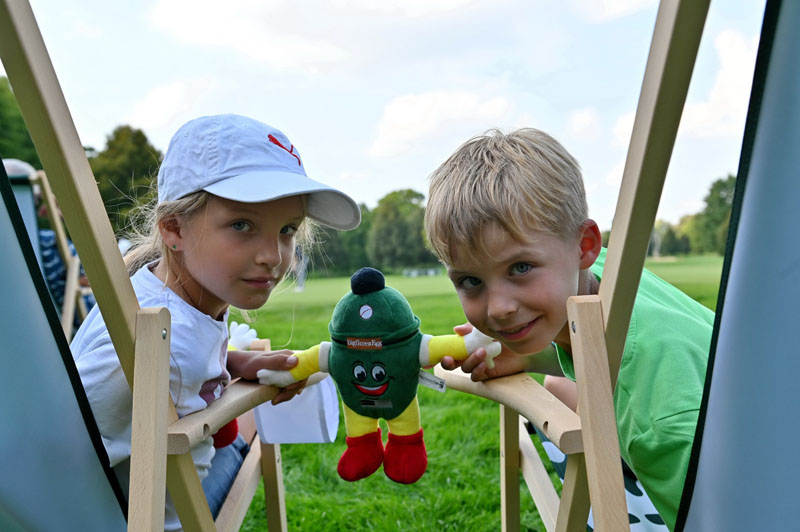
(590, 241)
(170, 229)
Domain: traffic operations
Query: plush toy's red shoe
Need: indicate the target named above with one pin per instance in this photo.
(363, 456)
(405, 458)
(226, 434)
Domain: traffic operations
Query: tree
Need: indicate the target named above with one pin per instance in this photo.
(713, 219)
(672, 244)
(341, 252)
(689, 228)
(396, 238)
(124, 171)
(355, 242)
(15, 141)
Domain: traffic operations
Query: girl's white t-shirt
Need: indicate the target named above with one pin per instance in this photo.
(198, 374)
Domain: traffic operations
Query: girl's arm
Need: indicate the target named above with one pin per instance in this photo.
(245, 364)
(310, 361)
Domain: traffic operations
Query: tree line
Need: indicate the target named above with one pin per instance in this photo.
(391, 235)
(699, 233)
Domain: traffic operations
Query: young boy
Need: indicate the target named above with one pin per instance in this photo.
(507, 215)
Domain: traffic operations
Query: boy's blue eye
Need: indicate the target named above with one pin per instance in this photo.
(520, 268)
(240, 225)
(468, 282)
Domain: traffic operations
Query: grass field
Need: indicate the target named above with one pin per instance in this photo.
(461, 488)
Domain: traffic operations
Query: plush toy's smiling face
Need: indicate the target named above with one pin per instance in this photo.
(371, 379)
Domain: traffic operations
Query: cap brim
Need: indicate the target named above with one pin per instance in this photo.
(326, 205)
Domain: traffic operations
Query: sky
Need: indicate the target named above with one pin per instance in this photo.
(375, 94)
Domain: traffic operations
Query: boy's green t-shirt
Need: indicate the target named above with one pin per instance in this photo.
(659, 386)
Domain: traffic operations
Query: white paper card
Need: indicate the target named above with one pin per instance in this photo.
(311, 417)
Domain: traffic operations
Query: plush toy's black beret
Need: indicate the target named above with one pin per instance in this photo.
(367, 280)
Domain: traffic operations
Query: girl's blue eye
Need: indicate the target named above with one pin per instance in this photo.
(520, 268)
(468, 282)
(290, 229)
(240, 225)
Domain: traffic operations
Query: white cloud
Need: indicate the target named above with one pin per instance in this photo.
(249, 27)
(584, 123)
(605, 10)
(352, 176)
(411, 8)
(83, 29)
(160, 106)
(723, 112)
(165, 107)
(614, 176)
(623, 128)
(409, 118)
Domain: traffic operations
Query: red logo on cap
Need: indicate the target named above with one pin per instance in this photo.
(290, 150)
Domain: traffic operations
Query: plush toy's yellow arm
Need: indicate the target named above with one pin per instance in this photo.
(308, 362)
(434, 348)
(446, 345)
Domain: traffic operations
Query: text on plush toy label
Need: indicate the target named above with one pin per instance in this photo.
(370, 344)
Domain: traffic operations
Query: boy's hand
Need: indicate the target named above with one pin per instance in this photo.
(506, 363)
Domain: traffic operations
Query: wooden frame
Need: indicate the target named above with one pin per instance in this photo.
(73, 291)
(160, 452)
(599, 324)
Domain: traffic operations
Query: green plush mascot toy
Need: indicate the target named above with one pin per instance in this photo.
(375, 355)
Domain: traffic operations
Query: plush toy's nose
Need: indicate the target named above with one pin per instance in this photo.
(367, 280)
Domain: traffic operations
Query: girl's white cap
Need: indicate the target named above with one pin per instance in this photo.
(242, 159)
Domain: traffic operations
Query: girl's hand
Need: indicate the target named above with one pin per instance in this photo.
(282, 360)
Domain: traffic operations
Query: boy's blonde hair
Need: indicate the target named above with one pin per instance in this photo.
(145, 236)
(523, 181)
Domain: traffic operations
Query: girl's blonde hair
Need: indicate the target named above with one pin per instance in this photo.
(523, 181)
(145, 235)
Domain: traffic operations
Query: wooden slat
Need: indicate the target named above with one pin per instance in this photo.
(50, 124)
(679, 26)
(509, 470)
(233, 511)
(187, 494)
(274, 496)
(573, 513)
(537, 479)
(71, 295)
(596, 405)
(148, 470)
(239, 397)
(520, 392)
(53, 215)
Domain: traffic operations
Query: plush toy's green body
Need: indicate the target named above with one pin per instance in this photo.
(375, 355)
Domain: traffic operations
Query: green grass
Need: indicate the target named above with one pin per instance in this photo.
(697, 276)
(461, 488)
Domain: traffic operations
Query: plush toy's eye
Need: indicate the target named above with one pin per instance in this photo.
(360, 373)
(378, 373)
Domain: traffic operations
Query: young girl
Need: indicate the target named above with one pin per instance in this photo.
(232, 199)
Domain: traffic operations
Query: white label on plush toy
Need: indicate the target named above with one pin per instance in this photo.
(376, 403)
(432, 381)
